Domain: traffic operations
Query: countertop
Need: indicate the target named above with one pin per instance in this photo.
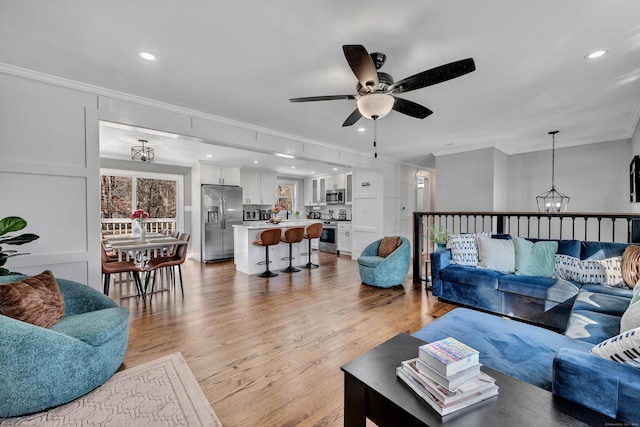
(257, 225)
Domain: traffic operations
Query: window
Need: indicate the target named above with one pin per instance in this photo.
(119, 195)
(122, 192)
(285, 196)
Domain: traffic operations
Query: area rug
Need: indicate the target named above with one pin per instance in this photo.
(162, 392)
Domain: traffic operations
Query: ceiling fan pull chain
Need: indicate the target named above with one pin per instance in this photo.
(375, 136)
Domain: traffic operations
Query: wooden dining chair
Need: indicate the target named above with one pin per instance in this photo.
(109, 267)
(169, 263)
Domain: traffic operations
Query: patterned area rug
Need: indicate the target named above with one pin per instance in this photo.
(162, 392)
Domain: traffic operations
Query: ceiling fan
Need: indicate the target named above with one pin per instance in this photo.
(377, 90)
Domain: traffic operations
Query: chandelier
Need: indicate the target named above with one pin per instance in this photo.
(142, 153)
(553, 200)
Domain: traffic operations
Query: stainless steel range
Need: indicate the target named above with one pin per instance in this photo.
(329, 237)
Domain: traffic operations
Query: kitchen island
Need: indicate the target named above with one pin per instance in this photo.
(247, 255)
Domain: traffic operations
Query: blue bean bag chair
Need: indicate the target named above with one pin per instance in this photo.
(46, 367)
(385, 271)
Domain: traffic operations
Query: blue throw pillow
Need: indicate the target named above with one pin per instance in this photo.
(535, 259)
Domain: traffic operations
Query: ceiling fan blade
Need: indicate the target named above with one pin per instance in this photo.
(410, 108)
(435, 75)
(353, 117)
(362, 65)
(322, 98)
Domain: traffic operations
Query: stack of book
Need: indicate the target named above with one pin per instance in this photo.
(446, 374)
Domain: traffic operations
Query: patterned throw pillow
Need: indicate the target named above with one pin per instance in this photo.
(606, 272)
(464, 249)
(568, 268)
(623, 348)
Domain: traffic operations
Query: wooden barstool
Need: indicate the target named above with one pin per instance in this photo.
(292, 235)
(268, 237)
(314, 231)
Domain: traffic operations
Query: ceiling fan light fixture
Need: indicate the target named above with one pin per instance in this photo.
(375, 105)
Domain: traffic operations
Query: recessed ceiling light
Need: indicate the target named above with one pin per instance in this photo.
(335, 169)
(361, 129)
(209, 155)
(286, 156)
(293, 167)
(146, 55)
(596, 54)
(311, 173)
(255, 161)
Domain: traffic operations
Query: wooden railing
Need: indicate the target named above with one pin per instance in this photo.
(123, 225)
(624, 227)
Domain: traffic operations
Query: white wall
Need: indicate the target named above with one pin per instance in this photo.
(465, 181)
(595, 176)
(49, 171)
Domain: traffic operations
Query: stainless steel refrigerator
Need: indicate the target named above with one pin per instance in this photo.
(221, 209)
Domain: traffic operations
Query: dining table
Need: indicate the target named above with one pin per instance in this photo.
(140, 250)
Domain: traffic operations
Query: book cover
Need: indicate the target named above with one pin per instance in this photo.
(437, 405)
(448, 356)
(452, 382)
(476, 384)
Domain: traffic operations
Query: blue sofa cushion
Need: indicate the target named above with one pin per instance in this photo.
(370, 261)
(473, 276)
(545, 288)
(610, 290)
(592, 327)
(517, 349)
(601, 250)
(565, 247)
(601, 303)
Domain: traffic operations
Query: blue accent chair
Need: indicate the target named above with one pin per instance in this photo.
(42, 368)
(388, 271)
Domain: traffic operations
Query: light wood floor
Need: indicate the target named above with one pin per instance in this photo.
(267, 352)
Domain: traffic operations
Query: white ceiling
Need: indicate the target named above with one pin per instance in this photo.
(243, 60)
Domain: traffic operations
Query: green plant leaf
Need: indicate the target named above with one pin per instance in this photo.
(19, 240)
(11, 223)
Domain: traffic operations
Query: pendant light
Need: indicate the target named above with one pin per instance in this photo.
(142, 153)
(553, 201)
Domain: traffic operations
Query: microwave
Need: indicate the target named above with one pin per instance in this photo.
(335, 197)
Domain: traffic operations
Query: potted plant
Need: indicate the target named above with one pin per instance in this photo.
(9, 225)
(440, 236)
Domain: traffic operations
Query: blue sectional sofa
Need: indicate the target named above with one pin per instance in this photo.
(46, 367)
(582, 316)
(542, 300)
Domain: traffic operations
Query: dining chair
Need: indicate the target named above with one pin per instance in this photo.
(110, 267)
(169, 263)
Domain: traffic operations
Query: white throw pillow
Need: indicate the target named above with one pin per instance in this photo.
(605, 272)
(623, 348)
(568, 268)
(464, 250)
(496, 254)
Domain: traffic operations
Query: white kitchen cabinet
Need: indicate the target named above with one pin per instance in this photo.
(345, 243)
(348, 196)
(308, 192)
(250, 183)
(258, 188)
(319, 190)
(219, 175)
(336, 181)
(267, 189)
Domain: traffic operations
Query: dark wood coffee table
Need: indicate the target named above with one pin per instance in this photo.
(371, 390)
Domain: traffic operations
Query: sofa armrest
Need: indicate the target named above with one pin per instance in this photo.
(597, 383)
(80, 298)
(439, 260)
